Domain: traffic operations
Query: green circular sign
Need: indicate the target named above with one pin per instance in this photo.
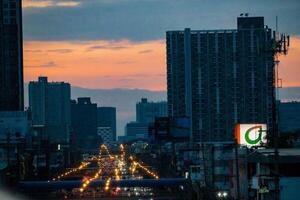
(258, 139)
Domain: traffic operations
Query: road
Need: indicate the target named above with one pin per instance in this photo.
(117, 175)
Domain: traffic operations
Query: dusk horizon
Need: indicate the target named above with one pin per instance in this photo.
(102, 50)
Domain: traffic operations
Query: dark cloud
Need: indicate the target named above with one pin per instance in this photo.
(49, 64)
(124, 62)
(146, 51)
(140, 20)
(33, 50)
(61, 51)
(109, 47)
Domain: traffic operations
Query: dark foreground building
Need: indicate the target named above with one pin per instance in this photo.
(49, 104)
(11, 56)
(219, 78)
(84, 124)
(107, 118)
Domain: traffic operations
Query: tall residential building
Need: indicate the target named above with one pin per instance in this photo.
(107, 118)
(147, 111)
(219, 78)
(11, 56)
(49, 103)
(84, 124)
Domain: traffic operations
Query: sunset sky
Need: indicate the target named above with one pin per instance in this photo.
(121, 43)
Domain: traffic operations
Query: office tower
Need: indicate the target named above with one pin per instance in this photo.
(136, 130)
(289, 117)
(84, 124)
(147, 111)
(107, 118)
(219, 78)
(49, 103)
(11, 56)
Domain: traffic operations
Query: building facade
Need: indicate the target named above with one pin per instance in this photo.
(84, 124)
(218, 78)
(136, 130)
(49, 104)
(14, 123)
(289, 117)
(106, 135)
(11, 56)
(107, 118)
(147, 111)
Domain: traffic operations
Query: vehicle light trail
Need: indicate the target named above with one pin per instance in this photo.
(117, 174)
(80, 167)
(103, 146)
(107, 184)
(137, 164)
(89, 180)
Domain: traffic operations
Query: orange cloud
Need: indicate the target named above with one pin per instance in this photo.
(98, 64)
(121, 64)
(48, 3)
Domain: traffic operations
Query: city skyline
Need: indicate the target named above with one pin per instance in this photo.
(97, 55)
(150, 99)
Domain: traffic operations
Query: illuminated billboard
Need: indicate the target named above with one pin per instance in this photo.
(251, 134)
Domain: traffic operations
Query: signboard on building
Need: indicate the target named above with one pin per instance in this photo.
(251, 134)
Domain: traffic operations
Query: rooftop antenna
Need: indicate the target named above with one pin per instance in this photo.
(276, 23)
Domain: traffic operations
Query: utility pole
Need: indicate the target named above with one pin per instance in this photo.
(237, 172)
(8, 153)
(281, 45)
(275, 135)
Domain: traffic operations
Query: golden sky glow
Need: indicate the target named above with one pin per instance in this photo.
(47, 3)
(122, 64)
(289, 66)
(98, 64)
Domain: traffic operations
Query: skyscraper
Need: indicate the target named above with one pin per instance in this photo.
(49, 104)
(84, 124)
(107, 118)
(219, 78)
(11, 56)
(147, 111)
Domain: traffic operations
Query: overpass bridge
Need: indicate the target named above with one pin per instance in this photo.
(70, 184)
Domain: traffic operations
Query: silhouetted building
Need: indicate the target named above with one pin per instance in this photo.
(219, 78)
(289, 117)
(11, 56)
(84, 124)
(147, 111)
(107, 118)
(14, 123)
(49, 104)
(136, 130)
(14, 127)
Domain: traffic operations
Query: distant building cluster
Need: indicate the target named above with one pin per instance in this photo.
(146, 113)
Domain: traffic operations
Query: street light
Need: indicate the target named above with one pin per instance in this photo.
(222, 194)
